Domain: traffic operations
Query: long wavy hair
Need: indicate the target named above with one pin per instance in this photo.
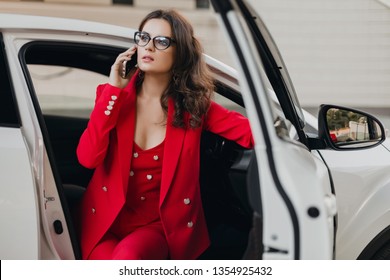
(192, 85)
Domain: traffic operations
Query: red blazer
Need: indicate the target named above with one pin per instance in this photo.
(107, 145)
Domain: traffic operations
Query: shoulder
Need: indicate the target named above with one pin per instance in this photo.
(108, 89)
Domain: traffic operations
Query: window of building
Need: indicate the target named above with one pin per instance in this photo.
(202, 4)
(127, 2)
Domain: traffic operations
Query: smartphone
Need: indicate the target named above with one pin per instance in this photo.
(128, 65)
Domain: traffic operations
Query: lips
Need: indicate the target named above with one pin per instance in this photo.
(147, 58)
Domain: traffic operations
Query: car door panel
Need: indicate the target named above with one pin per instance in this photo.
(290, 235)
(19, 213)
(54, 239)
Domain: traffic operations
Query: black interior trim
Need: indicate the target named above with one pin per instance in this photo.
(92, 57)
(9, 113)
(223, 179)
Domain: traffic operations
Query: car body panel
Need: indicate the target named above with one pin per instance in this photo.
(18, 204)
(362, 182)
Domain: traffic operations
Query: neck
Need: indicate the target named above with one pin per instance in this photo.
(154, 86)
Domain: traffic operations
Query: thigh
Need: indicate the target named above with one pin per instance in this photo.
(145, 243)
(105, 248)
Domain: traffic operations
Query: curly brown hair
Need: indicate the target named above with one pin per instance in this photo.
(192, 85)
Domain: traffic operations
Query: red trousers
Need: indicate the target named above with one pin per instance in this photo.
(145, 243)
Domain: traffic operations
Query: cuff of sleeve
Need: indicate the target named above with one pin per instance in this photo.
(109, 99)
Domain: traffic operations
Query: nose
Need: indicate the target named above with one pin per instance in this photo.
(150, 45)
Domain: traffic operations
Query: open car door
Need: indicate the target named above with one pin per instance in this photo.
(295, 204)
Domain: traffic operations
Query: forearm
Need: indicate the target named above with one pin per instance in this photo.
(93, 144)
(229, 124)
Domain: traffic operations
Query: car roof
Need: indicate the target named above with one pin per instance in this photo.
(32, 22)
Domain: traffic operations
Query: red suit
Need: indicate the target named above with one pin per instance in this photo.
(107, 146)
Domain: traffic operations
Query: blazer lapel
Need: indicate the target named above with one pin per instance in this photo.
(125, 132)
(174, 139)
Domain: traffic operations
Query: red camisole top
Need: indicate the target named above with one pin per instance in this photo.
(143, 193)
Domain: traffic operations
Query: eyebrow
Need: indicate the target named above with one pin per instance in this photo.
(168, 36)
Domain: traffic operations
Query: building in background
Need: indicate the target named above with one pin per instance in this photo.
(337, 51)
(179, 4)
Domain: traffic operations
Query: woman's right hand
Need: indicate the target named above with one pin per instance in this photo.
(115, 78)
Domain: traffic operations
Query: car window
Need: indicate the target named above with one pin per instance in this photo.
(61, 92)
(65, 90)
(64, 75)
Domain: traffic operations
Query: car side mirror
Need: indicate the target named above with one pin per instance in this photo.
(343, 128)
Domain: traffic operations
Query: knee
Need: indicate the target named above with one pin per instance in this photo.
(123, 253)
(136, 252)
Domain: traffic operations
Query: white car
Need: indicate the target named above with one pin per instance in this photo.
(302, 193)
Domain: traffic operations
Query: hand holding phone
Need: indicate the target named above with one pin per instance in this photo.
(128, 65)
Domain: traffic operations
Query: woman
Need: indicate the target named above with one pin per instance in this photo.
(143, 139)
